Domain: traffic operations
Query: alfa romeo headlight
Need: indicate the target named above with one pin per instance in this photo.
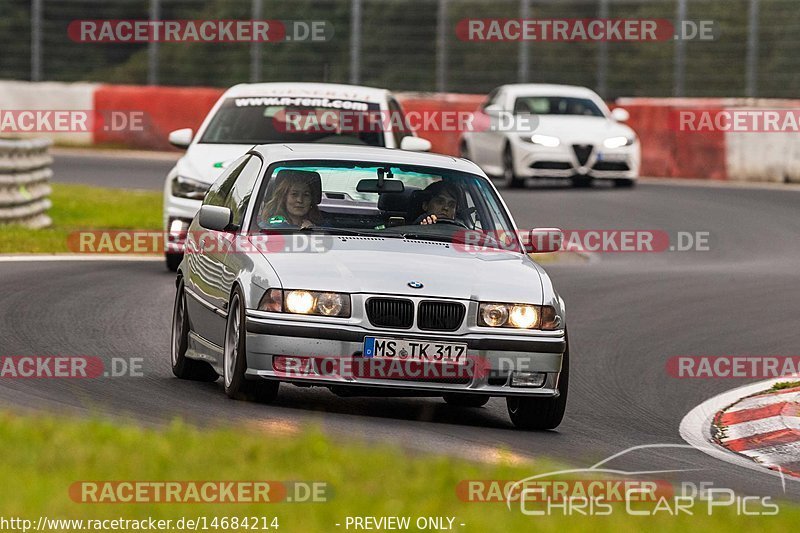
(618, 142)
(518, 316)
(302, 302)
(184, 187)
(544, 140)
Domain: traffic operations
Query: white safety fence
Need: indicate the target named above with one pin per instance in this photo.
(25, 182)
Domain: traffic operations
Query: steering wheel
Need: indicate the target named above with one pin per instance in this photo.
(452, 221)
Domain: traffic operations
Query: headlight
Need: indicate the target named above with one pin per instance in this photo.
(618, 142)
(544, 140)
(183, 187)
(303, 302)
(519, 316)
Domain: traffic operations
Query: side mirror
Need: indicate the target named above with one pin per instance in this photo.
(415, 144)
(181, 138)
(620, 115)
(493, 110)
(544, 240)
(215, 218)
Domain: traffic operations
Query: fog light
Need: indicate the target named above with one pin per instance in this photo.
(528, 379)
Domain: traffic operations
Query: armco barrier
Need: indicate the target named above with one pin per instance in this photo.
(24, 182)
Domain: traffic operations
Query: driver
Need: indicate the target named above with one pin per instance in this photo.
(441, 202)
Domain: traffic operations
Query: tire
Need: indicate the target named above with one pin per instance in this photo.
(541, 413)
(581, 182)
(182, 366)
(173, 261)
(466, 400)
(510, 179)
(624, 183)
(234, 360)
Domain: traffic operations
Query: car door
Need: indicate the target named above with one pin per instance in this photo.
(239, 250)
(205, 252)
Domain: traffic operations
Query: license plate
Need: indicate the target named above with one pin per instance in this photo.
(417, 350)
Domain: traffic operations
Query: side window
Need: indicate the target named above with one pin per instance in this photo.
(219, 190)
(397, 117)
(239, 195)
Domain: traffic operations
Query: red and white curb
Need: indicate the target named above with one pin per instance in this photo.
(750, 427)
(764, 427)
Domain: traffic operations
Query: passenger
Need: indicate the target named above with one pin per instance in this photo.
(294, 201)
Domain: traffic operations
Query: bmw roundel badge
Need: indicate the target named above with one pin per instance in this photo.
(415, 284)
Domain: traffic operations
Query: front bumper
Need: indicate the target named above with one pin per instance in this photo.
(495, 355)
(533, 161)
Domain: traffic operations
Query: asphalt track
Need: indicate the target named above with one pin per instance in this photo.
(628, 314)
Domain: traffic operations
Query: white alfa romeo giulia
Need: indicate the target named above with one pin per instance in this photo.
(552, 131)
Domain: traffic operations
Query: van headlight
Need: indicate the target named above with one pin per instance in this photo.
(184, 187)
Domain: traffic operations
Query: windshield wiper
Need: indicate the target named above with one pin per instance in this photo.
(427, 237)
(354, 233)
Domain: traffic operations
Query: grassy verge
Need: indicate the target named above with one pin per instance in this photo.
(783, 385)
(43, 457)
(81, 207)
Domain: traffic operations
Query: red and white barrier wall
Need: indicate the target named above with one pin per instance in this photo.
(668, 148)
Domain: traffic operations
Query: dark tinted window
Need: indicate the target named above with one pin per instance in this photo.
(219, 190)
(239, 195)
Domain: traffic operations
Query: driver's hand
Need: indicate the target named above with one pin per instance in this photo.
(306, 224)
(431, 219)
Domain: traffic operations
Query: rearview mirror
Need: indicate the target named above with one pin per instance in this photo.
(415, 144)
(620, 115)
(544, 240)
(215, 218)
(181, 138)
(373, 185)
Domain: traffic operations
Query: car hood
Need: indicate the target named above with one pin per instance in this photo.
(573, 129)
(205, 162)
(386, 266)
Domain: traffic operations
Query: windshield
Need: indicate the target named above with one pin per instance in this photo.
(414, 202)
(556, 105)
(274, 119)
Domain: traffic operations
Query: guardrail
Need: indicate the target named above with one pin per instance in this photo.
(24, 182)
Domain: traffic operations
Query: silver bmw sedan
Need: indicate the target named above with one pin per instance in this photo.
(369, 271)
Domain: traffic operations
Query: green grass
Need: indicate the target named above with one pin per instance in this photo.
(44, 456)
(81, 207)
(785, 385)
